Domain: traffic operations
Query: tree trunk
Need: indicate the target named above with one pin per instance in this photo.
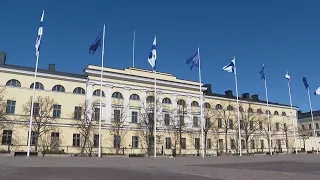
(247, 143)
(180, 137)
(304, 145)
(205, 142)
(226, 139)
(287, 143)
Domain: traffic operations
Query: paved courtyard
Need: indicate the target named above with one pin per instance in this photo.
(282, 167)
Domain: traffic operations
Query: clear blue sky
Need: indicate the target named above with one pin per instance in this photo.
(284, 35)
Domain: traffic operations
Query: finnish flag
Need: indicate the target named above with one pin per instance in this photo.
(287, 76)
(40, 32)
(153, 54)
(317, 92)
(231, 66)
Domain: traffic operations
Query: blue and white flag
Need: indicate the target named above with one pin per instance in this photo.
(305, 82)
(97, 43)
(153, 54)
(193, 60)
(231, 66)
(317, 93)
(40, 32)
(287, 76)
(262, 73)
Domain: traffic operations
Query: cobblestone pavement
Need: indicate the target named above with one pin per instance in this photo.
(282, 167)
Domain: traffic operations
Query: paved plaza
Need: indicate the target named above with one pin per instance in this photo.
(282, 167)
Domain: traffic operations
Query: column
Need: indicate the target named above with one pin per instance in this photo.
(126, 104)
(108, 107)
(189, 119)
(88, 102)
(174, 107)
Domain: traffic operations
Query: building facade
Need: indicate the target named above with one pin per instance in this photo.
(307, 129)
(66, 113)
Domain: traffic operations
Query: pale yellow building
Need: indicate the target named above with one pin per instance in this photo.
(64, 99)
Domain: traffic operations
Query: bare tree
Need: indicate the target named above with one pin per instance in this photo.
(50, 141)
(211, 118)
(5, 123)
(87, 123)
(43, 117)
(194, 139)
(118, 124)
(265, 131)
(286, 129)
(304, 134)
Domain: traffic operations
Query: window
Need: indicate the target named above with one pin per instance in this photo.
(96, 114)
(260, 125)
(268, 112)
(6, 137)
(253, 146)
(97, 93)
(195, 121)
(134, 117)
(96, 140)
(277, 127)
(38, 86)
(233, 144)
(262, 144)
(197, 143)
(134, 97)
(59, 88)
(116, 141)
(36, 109)
(194, 104)
(208, 123)
(166, 101)
(230, 108)
(54, 140)
(56, 110)
(181, 119)
(219, 123)
(168, 143)
(209, 145)
(207, 105)
(230, 123)
(183, 143)
(33, 138)
(250, 110)
(220, 144)
(276, 113)
(76, 140)
(243, 144)
(218, 106)
(241, 124)
(317, 125)
(310, 127)
(181, 102)
(259, 111)
(79, 90)
(11, 106)
(117, 95)
(251, 125)
(167, 119)
(150, 118)
(135, 142)
(150, 99)
(302, 127)
(77, 112)
(13, 82)
(284, 114)
(116, 115)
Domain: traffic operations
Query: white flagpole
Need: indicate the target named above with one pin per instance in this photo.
(155, 114)
(236, 80)
(33, 94)
(101, 76)
(133, 46)
(314, 130)
(269, 123)
(201, 106)
(293, 122)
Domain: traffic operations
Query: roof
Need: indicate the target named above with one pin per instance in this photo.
(308, 114)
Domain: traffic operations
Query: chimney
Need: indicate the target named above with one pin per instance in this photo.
(246, 96)
(3, 58)
(52, 67)
(228, 93)
(208, 91)
(255, 97)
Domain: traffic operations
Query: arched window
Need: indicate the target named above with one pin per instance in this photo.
(166, 101)
(259, 111)
(97, 92)
(230, 108)
(181, 102)
(207, 105)
(59, 88)
(79, 90)
(276, 113)
(117, 95)
(13, 82)
(268, 112)
(194, 104)
(240, 109)
(284, 114)
(250, 110)
(38, 86)
(150, 99)
(134, 97)
(218, 106)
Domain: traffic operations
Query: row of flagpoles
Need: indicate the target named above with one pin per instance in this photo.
(193, 61)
